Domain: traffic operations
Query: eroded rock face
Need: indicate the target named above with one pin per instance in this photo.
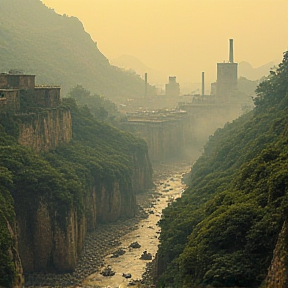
(44, 245)
(45, 131)
(142, 173)
(14, 254)
(49, 239)
(50, 243)
(109, 203)
(278, 271)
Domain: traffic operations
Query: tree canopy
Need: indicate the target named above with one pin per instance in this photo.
(223, 230)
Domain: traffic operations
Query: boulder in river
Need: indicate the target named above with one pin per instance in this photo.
(108, 271)
(146, 256)
(118, 253)
(126, 275)
(135, 245)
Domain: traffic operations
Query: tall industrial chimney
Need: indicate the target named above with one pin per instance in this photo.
(203, 84)
(231, 57)
(145, 84)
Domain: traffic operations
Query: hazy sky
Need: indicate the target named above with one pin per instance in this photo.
(184, 37)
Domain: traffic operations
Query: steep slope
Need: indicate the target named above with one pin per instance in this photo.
(223, 231)
(37, 40)
(55, 197)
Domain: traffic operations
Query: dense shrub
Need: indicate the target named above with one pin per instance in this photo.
(223, 230)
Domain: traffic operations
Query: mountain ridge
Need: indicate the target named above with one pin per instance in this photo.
(37, 40)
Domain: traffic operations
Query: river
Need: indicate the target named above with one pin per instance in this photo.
(168, 187)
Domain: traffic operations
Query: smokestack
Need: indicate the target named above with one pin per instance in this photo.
(231, 57)
(203, 84)
(145, 84)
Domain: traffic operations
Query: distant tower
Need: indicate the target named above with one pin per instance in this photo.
(227, 74)
(231, 57)
(203, 84)
(146, 83)
(172, 89)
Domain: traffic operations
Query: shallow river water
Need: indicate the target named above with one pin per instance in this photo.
(168, 186)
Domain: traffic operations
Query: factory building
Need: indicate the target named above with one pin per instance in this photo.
(172, 89)
(227, 75)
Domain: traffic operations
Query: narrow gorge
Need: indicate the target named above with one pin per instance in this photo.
(67, 173)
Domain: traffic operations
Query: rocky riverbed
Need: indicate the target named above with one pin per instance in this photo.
(108, 246)
(97, 245)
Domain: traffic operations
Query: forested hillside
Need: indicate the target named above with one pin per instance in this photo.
(100, 107)
(57, 49)
(223, 231)
(97, 157)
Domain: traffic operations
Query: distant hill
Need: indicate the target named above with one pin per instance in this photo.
(57, 49)
(129, 62)
(251, 73)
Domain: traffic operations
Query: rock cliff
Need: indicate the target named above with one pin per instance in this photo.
(165, 138)
(14, 255)
(47, 243)
(47, 130)
(278, 271)
(49, 239)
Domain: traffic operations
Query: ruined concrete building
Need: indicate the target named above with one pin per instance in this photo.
(14, 83)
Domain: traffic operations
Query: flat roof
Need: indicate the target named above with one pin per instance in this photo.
(9, 90)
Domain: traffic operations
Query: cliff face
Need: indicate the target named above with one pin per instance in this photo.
(142, 172)
(278, 271)
(45, 244)
(165, 139)
(61, 194)
(14, 255)
(114, 202)
(46, 130)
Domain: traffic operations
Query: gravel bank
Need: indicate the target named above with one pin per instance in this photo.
(97, 245)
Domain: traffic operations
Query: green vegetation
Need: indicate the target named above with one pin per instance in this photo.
(101, 108)
(58, 50)
(223, 230)
(98, 154)
(7, 217)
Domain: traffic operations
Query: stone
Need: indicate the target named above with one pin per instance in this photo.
(118, 253)
(146, 256)
(108, 271)
(135, 245)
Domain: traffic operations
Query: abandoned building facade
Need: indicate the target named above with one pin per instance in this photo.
(12, 84)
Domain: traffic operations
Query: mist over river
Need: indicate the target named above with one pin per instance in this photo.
(168, 186)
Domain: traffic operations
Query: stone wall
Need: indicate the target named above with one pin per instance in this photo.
(9, 100)
(45, 131)
(47, 96)
(18, 81)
